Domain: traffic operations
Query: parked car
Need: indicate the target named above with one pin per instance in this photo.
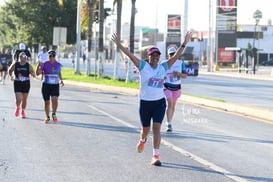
(267, 62)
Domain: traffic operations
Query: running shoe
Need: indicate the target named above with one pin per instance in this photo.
(23, 115)
(54, 117)
(169, 128)
(155, 160)
(17, 112)
(140, 146)
(47, 119)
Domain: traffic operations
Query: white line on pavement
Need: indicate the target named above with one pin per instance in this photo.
(180, 150)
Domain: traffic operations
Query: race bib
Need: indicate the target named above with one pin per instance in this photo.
(52, 79)
(156, 82)
(23, 78)
(174, 78)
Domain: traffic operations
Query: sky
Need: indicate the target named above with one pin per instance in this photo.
(153, 13)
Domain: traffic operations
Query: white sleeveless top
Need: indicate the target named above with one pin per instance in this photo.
(151, 81)
(178, 67)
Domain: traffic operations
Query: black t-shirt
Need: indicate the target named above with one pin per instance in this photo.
(21, 70)
(4, 60)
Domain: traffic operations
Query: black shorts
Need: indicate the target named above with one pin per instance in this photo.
(4, 68)
(152, 110)
(21, 86)
(50, 90)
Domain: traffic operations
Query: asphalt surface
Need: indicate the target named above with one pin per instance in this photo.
(80, 140)
(246, 110)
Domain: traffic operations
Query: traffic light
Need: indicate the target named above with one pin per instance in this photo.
(96, 11)
(96, 16)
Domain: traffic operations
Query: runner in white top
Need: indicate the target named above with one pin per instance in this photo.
(43, 55)
(152, 99)
(172, 86)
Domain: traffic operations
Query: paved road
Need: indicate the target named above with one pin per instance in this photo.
(96, 136)
(228, 86)
(231, 89)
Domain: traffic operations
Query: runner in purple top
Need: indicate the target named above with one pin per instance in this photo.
(52, 80)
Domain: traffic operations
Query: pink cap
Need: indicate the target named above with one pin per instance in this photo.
(153, 50)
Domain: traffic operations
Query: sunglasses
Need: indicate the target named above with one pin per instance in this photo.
(51, 55)
(24, 56)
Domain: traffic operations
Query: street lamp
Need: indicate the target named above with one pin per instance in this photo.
(257, 15)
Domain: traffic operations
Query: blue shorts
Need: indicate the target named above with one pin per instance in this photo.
(152, 110)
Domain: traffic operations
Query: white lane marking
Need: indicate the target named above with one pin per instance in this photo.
(113, 117)
(180, 150)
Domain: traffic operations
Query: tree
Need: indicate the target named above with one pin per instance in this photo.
(32, 21)
(118, 31)
(91, 4)
(132, 38)
(132, 26)
(101, 47)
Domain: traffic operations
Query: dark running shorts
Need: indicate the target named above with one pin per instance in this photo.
(5, 68)
(21, 86)
(50, 90)
(152, 110)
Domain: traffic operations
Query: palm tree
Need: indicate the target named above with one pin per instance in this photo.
(132, 38)
(101, 25)
(118, 31)
(132, 26)
(91, 4)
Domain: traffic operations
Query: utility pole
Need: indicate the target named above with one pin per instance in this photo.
(210, 38)
(185, 25)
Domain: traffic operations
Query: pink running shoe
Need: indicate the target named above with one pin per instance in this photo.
(47, 119)
(140, 146)
(17, 111)
(155, 160)
(54, 117)
(23, 115)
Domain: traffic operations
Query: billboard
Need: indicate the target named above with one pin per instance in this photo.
(226, 26)
(173, 38)
(225, 55)
(174, 23)
(226, 18)
(227, 6)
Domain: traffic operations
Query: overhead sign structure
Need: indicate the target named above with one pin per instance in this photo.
(173, 38)
(59, 35)
(174, 23)
(227, 5)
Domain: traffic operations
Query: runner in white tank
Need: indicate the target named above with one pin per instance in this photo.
(152, 99)
(172, 86)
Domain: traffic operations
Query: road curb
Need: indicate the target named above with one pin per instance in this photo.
(250, 111)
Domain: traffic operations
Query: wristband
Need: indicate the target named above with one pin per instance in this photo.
(183, 45)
